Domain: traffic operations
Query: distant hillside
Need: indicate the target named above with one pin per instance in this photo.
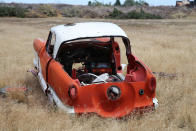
(64, 10)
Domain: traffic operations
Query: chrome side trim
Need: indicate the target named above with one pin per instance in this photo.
(155, 103)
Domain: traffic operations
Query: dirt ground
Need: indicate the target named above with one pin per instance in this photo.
(167, 46)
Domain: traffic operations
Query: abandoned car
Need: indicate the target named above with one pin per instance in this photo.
(80, 70)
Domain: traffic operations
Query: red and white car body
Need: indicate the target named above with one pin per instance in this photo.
(97, 84)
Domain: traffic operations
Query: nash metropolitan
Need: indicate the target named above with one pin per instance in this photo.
(80, 70)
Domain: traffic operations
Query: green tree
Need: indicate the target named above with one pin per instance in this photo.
(116, 13)
(129, 3)
(141, 3)
(117, 3)
(89, 3)
(96, 3)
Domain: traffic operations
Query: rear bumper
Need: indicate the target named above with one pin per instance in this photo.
(94, 99)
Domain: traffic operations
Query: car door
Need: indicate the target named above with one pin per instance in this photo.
(44, 59)
(55, 76)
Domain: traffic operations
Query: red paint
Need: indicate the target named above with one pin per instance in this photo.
(93, 98)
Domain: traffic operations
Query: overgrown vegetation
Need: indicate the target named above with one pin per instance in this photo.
(117, 14)
(96, 9)
(118, 3)
(97, 3)
(165, 46)
(16, 11)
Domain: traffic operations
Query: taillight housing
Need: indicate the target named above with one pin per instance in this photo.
(152, 84)
(113, 93)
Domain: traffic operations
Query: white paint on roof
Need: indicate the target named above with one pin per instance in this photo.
(83, 30)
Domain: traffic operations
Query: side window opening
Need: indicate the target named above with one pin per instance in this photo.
(53, 40)
(50, 43)
(123, 57)
(122, 50)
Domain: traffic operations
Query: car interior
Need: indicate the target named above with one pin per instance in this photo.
(90, 61)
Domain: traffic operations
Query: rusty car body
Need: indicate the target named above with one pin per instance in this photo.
(97, 84)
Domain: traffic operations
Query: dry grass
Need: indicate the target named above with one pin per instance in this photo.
(164, 45)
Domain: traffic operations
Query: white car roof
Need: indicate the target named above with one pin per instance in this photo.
(84, 30)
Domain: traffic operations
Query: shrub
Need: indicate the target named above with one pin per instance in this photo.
(47, 10)
(16, 11)
(117, 14)
(72, 12)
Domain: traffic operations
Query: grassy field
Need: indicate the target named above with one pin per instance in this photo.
(164, 45)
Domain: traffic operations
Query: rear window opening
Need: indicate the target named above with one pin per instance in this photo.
(90, 61)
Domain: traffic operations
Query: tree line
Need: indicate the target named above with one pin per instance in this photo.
(118, 3)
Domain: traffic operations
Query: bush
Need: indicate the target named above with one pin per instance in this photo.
(117, 14)
(72, 12)
(16, 11)
(47, 10)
